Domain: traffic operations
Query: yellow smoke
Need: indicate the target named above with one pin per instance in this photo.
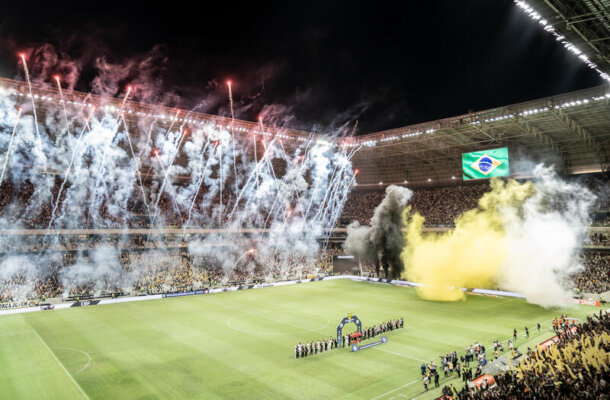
(469, 256)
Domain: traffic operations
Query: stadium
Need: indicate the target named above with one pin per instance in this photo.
(159, 252)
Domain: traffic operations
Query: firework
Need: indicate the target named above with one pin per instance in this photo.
(10, 145)
(27, 78)
(63, 103)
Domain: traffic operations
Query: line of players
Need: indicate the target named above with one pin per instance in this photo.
(320, 346)
(380, 329)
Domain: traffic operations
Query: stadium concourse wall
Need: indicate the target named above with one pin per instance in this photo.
(94, 302)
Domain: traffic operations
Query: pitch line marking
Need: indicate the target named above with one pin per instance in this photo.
(398, 388)
(61, 365)
(400, 355)
(410, 383)
(80, 351)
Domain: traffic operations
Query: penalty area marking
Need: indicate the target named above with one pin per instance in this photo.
(61, 365)
(80, 351)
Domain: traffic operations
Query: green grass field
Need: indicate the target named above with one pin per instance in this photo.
(240, 344)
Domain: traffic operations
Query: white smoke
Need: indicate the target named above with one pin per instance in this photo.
(101, 171)
(544, 239)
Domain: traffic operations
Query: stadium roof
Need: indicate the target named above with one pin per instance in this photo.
(584, 23)
(571, 131)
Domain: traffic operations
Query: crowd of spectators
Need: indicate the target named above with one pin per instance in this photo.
(441, 205)
(149, 271)
(599, 239)
(596, 276)
(577, 366)
(174, 269)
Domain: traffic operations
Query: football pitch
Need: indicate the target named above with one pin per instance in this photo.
(240, 345)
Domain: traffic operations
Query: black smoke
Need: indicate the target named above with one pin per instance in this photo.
(382, 242)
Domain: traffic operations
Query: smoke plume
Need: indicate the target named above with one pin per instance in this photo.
(382, 242)
(522, 237)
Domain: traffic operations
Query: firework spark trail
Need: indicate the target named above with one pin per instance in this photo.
(337, 210)
(334, 207)
(303, 163)
(346, 190)
(332, 187)
(287, 158)
(270, 168)
(275, 180)
(67, 173)
(260, 123)
(114, 132)
(250, 251)
(27, 78)
(63, 103)
(137, 161)
(171, 190)
(186, 224)
(270, 212)
(221, 184)
(321, 213)
(171, 125)
(166, 173)
(315, 190)
(243, 189)
(233, 132)
(275, 199)
(10, 145)
(148, 140)
(335, 215)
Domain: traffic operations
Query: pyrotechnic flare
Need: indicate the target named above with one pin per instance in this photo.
(67, 172)
(116, 127)
(171, 190)
(27, 78)
(137, 163)
(203, 175)
(63, 103)
(173, 122)
(166, 173)
(232, 132)
(111, 198)
(10, 145)
(221, 183)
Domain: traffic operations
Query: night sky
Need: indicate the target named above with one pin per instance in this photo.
(308, 64)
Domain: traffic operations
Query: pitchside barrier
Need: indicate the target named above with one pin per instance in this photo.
(258, 286)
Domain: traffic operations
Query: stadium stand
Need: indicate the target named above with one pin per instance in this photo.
(576, 367)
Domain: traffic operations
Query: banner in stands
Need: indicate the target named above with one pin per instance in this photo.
(548, 343)
(490, 381)
(586, 302)
(189, 293)
(85, 303)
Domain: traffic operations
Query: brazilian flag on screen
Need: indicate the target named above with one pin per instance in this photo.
(485, 164)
